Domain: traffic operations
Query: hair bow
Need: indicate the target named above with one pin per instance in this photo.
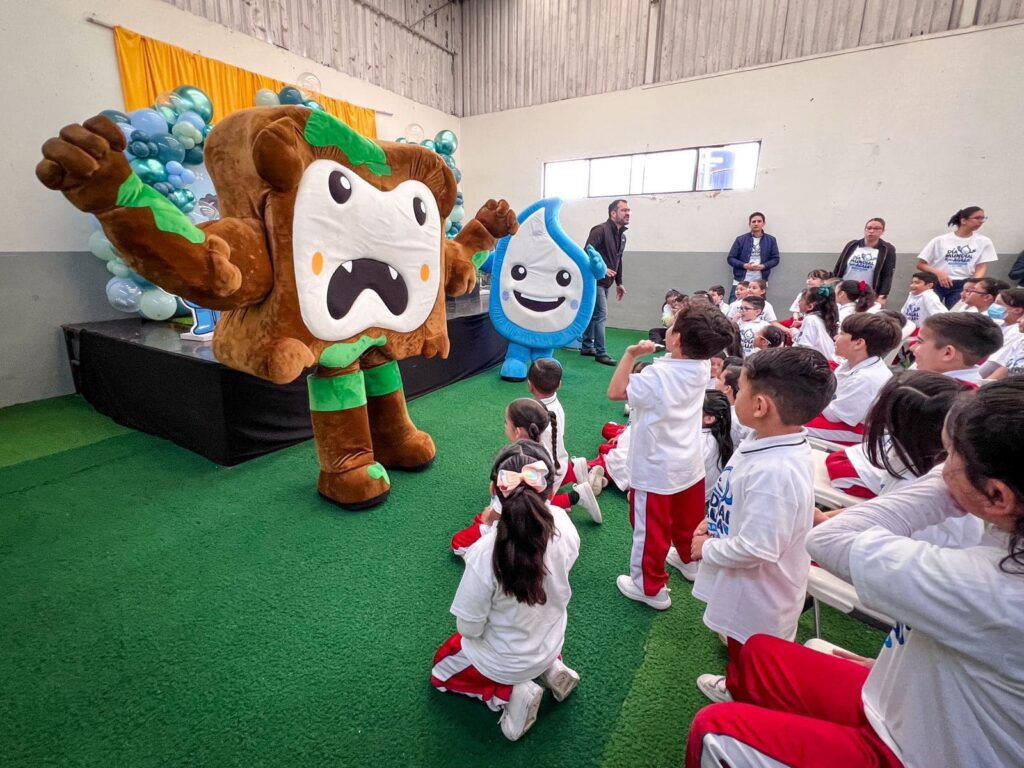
(534, 475)
(825, 290)
(862, 285)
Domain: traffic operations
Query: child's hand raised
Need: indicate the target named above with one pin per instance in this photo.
(645, 347)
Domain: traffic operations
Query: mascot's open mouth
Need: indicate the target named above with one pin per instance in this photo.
(353, 277)
(538, 305)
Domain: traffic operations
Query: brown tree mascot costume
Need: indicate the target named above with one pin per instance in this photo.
(330, 252)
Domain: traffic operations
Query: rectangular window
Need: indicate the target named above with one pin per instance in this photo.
(701, 169)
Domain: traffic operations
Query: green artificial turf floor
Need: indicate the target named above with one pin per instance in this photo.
(158, 609)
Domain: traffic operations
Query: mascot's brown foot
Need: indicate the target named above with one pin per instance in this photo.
(397, 443)
(359, 488)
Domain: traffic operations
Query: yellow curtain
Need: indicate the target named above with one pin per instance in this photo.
(150, 68)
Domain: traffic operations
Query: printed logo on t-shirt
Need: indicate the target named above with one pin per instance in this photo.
(960, 255)
(862, 263)
(747, 339)
(898, 635)
(720, 505)
(912, 311)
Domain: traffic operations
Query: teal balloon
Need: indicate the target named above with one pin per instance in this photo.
(116, 115)
(139, 280)
(290, 95)
(150, 170)
(194, 156)
(199, 101)
(429, 144)
(401, 140)
(157, 305)
(168, 149)
(446, 141)
(118, 268)
(313, 104)
(449, 161)
(101, 247)
(457, 215)
(458, 175)
(167, 113)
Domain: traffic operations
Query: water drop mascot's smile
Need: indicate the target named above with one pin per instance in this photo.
(329, 253)
(544, 289)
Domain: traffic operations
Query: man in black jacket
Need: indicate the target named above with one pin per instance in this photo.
(609, 239)
(870, 260)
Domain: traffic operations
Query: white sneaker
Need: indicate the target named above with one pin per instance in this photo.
(689, 570)
(598, 481)
(660, 602)
(579, 468)
(588, 501)
(625, 410)
(713, 686)
(560, 680)
(521, 711)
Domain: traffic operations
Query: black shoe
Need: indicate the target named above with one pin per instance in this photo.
(604, 360)
(588, 353)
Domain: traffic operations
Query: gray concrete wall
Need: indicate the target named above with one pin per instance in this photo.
(39, 292)
(647, 275)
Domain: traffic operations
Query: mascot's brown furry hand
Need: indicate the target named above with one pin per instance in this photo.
(330, 252)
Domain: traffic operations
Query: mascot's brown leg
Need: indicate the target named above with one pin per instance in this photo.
(349, 473)
(397, 442)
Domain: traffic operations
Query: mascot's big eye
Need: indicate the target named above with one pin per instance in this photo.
(419, 209)
(518, 272)
(563, 278)
(340, 187)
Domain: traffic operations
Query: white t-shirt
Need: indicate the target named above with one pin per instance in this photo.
(753, 573)
(1011, 357)
(755, 258)
(922, 306)
(970, 375)
(709, 447)
(1010, 333)
(768, 313)
(845, 310)
(519, 641)
(958, 256)
(856, 390)
(666, 401)
(553, 405)
(814, 335)
(749, 329)
(861, 265)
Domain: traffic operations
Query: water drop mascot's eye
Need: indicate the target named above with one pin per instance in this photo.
(543, 290)
(328, 253)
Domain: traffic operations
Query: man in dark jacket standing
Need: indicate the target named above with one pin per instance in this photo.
(753, 255)
(870, 260)
(609, 239)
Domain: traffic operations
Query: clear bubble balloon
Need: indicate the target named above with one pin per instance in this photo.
(414, 132)
(101, 247)
(149, 121)
(156, 304)
(267, 98)
(123, 294)
(447, 142)
(309, 84)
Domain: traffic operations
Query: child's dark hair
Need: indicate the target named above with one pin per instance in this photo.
(639, 365)
(974, 335)
(736, 360)
(860, 293)
(879, 332)
(526, 413)
(1013, 297)
(719, 289)
(545, 374)
(731, 377)
(926, 277)
(703, 331)
(906, 420)
(964, 213)
(716, 404)
(985, 428)
(774, 335)
(897, 316)
(990, 285)
(819, 274)
(823, 303)
(671, 293)
(755, 301)
(744, 283)
(762, 284)
(525, 527)
(797, 379)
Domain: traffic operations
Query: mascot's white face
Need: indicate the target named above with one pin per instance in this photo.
(364, 257)
(541, 286)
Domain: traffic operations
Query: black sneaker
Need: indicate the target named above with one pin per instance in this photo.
(588, 353)
(605, 360)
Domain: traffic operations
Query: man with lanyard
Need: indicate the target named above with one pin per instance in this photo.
(609, 239)
(869, 260)
(753, 255)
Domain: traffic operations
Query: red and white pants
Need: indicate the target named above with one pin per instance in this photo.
(843, 476)
(793, 707)
(660, 521)
(835, 431)
(453, 672)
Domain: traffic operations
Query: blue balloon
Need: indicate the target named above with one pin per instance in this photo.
(168, 149)
(175, 181)
(449, 161)
(163, 187)
(116, 115)
(149, 121)
(139, 149)
(127, 130)
(194, 156)
(290, 95)
(188, 176)
(401, 140)
(458, 175)
(429, 144)
(192, 117)
(313, 104)
(123, 294)
(175, 167)
(137, 135)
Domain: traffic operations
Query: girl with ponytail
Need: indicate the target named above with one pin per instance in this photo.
(821, 320)
(511, 605)
(854, 296)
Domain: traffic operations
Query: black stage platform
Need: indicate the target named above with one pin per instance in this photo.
(142, 375)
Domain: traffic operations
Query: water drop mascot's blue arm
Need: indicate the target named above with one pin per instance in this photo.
(543, 290)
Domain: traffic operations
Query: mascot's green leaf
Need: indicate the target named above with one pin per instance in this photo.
(324, 130)
(134, 194)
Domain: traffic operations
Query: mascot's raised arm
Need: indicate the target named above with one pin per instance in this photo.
(543, 289)
(329, 253)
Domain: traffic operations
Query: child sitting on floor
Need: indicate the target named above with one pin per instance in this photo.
(753, 565)
(953, 343)
(863, 341)
(510, 607)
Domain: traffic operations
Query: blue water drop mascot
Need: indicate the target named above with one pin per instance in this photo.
(544, 288)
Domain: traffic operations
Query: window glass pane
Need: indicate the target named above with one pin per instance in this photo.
(670, 171)
(730, 167)
(609, 176)
(636, 179)
(566, 179)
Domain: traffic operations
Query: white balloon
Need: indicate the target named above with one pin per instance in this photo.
(267, 98)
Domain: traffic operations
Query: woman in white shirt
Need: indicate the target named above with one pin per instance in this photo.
(948, 685)
(957, 255)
